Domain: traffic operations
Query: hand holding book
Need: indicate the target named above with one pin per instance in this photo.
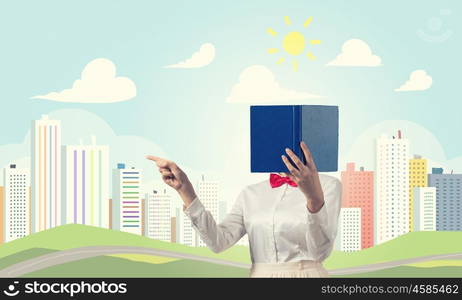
(306, 177)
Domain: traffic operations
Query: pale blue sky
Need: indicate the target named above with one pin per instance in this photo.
(46, 44)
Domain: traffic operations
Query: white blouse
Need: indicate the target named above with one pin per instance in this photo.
(279, 225)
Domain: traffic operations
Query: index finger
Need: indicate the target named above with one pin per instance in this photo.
(153, 158)
(307, 152)
(160, 162)
(295, 158)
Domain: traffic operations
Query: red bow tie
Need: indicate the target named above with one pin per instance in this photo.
(276, 181)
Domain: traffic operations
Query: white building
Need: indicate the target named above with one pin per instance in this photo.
(349, 229)
(16, 209)
(392, 183)
(46, 173)
(157, 215)
(86, 185)
(425, 208)
(208, 194)
(188, 235)
(177, 225)
(222, 210)
(126, 201)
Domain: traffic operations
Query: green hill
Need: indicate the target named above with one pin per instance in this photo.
(74, 236)
(406, 271)
(112, 267)
(22, 256)
(413, 244)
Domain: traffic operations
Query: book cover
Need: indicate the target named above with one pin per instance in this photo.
(275, 127)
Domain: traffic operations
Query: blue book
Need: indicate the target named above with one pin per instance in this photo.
(276, 127)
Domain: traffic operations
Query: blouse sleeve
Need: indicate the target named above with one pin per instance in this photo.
(322, 225)
(217, 237)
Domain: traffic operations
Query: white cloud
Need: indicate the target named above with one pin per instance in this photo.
(257, 84)
(199, 59)
(418, 81)
(356, 53)
(98, 84)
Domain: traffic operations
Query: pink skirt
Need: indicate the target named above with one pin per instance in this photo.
(301, 269)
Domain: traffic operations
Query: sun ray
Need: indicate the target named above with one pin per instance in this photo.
(294, 44)
(310, 56)
(295, 65)
(307, 22)
(271, 31)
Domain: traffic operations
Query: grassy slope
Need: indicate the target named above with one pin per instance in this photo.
(113, 267)
(438, 263)
(413, 244)
(406, 271)
(145, 258)
(73, 236)
(22, 256)
(107, 267)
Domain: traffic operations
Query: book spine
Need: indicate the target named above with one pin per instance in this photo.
(297, 130)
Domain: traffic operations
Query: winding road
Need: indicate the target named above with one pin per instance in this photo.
(69, 255)
(394, 263)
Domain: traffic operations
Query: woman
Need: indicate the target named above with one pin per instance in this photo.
(291, 221)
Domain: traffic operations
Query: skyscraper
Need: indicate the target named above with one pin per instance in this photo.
(417, 178)
(207, 192)
(16, 209)
(392, 187)
(349, 229)
(126, 199)
(86, 184)
(157, 210)
(188, 235)
(173, 230)
(448, 199)
(177, 225)
(2, 215)
(358, 191)
(222, 210)
(111, 223)
(46, 173)
(143, 217)
(424, 209)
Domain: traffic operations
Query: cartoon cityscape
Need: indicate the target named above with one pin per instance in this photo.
(70, 184)
(153, 79)
(407, 197)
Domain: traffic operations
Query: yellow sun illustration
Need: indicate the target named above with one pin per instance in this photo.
(293, 43)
